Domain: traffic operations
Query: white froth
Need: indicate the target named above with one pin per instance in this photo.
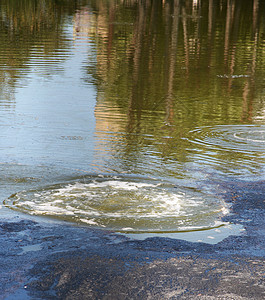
(127, 205)
(125, 185)
(89, 221)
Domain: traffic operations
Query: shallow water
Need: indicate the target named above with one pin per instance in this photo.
(127, 115)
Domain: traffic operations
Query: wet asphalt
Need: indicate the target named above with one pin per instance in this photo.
(49, 260)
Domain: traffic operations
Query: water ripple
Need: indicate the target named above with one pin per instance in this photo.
(124, 204)
(239, 138)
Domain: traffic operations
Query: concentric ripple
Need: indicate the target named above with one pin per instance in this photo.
(242, 138)
(123, 204)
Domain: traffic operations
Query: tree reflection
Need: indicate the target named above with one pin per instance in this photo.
(169, 66)
(25, 25)
(158, 55)
(163, 67)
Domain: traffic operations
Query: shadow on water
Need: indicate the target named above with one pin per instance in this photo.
(169, 91)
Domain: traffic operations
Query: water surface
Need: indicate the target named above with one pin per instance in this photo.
(127, 115)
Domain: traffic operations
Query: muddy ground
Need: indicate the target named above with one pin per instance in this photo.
(41, 260)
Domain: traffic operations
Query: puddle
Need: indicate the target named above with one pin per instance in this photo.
(30, 248)
(209, 236)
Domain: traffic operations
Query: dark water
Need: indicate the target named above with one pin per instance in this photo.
(128, 114)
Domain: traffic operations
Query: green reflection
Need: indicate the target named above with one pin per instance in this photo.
(162, 69)
(166, 67)
(28, 27)
(196, 64)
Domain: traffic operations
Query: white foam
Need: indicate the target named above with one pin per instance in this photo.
(124, 204)
(225, 210)
(125, 185)
(89, 221)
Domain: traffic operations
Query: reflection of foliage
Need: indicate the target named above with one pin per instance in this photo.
(32, 16)
(170, 56)
(25, 24)
(27, 15)
(169, 66)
